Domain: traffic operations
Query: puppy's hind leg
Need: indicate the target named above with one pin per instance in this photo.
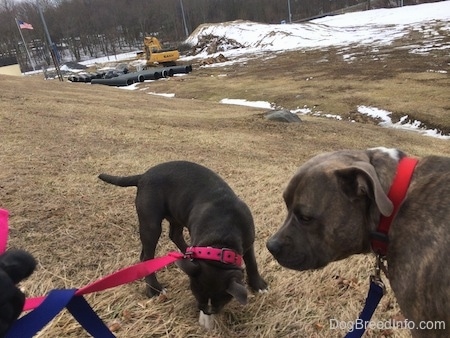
(150, 218)
(255, 281)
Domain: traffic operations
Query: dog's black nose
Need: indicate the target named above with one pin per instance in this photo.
(274, 246)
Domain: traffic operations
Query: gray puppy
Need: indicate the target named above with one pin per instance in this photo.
(334, 203)
(192, 196)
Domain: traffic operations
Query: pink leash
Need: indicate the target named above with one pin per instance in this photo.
(3, 230)
(126, 275)
(46, 307)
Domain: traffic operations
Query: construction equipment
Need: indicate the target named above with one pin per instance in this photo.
(155, 54)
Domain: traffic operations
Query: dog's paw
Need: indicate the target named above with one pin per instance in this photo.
(207, 321)
(266, 290)
(152, 293)
(258, 285)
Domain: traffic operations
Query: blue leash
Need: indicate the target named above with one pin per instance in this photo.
(28, 325)
(374, 296)
(72, 299)
(376, 292)
(31, 323)
(86, 316)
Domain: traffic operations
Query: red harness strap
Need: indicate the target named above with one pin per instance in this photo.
(223, 255)
(397, 193)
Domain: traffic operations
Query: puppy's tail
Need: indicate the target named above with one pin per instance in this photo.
(121, 181)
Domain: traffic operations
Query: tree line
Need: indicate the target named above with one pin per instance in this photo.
(94, 28)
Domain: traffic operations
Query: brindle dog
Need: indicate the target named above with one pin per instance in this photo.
(334, 203)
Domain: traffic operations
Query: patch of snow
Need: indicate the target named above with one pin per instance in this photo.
(256, 104)
(404, 123)
(162, 94)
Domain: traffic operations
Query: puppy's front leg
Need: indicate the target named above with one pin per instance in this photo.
(255, 281)
(176, 235)
(207, 321)
(149, 232)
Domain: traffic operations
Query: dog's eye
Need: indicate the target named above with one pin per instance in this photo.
(304, 219)
(301, 218)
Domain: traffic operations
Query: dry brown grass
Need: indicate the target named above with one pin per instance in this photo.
(57, 137)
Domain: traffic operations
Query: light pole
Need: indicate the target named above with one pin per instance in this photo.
(51, 46)
(289, 10)
(184, 19)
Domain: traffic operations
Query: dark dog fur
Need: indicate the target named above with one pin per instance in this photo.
(334, 202)
(190, 195)
(15, 265)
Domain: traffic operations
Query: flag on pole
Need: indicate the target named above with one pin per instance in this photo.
(24, 25)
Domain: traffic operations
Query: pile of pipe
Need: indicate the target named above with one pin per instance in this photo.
(123, 78)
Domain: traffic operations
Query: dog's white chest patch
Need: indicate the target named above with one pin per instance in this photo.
(392, 152)
(207, 321)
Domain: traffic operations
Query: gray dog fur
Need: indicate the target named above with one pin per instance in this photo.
(190, 195)
(334, 202)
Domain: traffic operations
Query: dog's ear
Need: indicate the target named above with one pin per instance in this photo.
(238, 291)
(361, 179)
(191, 268)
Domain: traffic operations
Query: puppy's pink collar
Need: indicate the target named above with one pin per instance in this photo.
(397, 193)
(224, 255)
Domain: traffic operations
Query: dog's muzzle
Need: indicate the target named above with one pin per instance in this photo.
(274, 246)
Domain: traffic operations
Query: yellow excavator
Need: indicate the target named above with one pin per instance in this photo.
(155, 54)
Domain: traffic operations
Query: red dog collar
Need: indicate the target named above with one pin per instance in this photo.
(224, 255)
(397, 193)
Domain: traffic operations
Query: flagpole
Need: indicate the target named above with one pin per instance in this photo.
(23, 40)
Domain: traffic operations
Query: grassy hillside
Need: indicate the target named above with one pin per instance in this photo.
(57, 137)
